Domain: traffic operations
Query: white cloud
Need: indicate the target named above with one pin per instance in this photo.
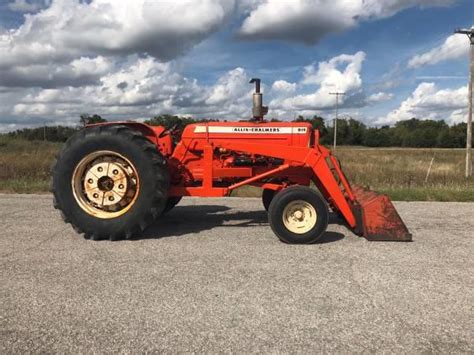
(308, 21)
(141, 88)
(455, 46)
(117, 58)
(68, 30)
(429, 102)
(329, 75)
(458, 116)
(341, 73)
(283, 86)
(27, 6)
(300, 20)
(385, 8)
(78, 72)
(231, 85)
(379, 97)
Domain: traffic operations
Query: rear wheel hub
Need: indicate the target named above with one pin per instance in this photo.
(105, 184)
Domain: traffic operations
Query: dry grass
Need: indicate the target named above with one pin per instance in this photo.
(402, 172)
(25, 165)
(24, 168)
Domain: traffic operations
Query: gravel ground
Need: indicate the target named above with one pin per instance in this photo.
(211, 277)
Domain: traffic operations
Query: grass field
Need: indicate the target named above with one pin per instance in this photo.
(25, 165)
(401, 173)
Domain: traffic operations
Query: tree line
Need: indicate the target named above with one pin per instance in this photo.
(414, 133)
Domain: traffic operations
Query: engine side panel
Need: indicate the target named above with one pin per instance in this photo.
(187, 162)
(281, 133)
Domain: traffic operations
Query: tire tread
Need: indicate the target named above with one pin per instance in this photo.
(277, 204)
(151, 152)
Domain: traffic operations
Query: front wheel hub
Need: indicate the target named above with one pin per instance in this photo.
(299, 216)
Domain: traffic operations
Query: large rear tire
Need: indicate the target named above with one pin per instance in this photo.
(298, 215)
(110, 182)
(171, 203)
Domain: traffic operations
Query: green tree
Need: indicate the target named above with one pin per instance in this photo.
(168, 121)
(378, 137)
(49, 133)
(357, 131)
(86, 119)
(458, 132)
(317, 122)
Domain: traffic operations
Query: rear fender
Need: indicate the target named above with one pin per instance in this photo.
(152, 133)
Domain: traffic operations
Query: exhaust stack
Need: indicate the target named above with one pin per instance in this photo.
(258, 110)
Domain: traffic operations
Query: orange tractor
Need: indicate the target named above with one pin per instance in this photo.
(113, 180)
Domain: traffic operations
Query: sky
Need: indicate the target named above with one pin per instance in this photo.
(133, 59)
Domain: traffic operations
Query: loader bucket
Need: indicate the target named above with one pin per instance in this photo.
(378, 219)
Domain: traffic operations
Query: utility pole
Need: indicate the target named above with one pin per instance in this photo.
(470, 34)
(335, 120)
(44, 132)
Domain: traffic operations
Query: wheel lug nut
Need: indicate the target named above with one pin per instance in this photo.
(100, 169)
(111, 198)
(90, 181)
(96, 195)
(120, 186)
(115, 172)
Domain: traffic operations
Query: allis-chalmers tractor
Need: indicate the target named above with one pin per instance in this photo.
(113, 180)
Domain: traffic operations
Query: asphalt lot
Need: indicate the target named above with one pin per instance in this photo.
(211, 277)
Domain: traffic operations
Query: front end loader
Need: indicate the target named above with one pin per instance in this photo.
(112, 180)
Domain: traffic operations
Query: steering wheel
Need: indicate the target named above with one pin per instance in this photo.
(171, 129)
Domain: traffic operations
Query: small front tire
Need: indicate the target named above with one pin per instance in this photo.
(298, 215)
(267, 197)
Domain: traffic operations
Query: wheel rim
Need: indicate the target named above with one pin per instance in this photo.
(299, 216)
(105, 184)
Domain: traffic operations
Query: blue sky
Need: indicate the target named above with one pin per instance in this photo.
(133, 59)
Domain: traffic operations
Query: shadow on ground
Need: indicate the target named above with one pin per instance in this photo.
(185, 220)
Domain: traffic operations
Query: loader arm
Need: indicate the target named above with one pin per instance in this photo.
(314, 158)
